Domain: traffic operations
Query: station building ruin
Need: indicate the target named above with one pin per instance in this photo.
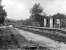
(55, 21)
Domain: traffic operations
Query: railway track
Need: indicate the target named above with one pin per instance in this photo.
(53, 33)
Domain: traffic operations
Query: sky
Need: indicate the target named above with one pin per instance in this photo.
(19, 9)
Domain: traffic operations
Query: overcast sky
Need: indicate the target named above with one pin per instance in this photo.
(19, 9)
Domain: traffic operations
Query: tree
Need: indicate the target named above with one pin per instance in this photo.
(36, 9)
(36, 14)
(3, 14)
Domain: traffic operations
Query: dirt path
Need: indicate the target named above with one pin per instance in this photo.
(40, 39)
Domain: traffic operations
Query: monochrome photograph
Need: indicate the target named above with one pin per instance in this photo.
(32, 24)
